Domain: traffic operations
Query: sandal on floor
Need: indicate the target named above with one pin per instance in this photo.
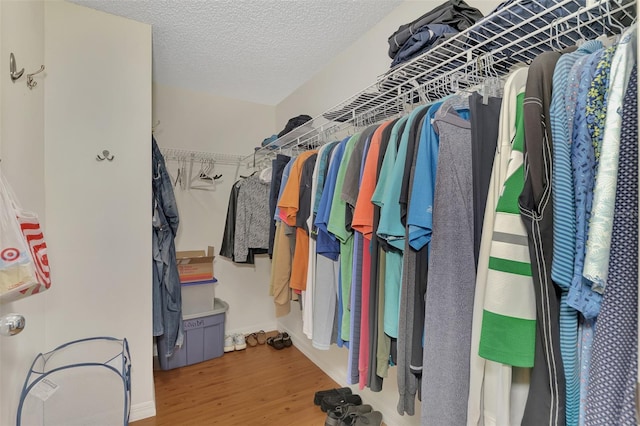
(252, 339)
(286, 340)
(275, 342)
(261, 336)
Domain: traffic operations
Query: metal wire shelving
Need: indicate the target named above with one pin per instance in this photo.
(516, 33)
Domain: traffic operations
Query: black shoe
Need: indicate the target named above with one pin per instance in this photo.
(286, 340)
(344, 415)
(317, 399)
(373, 418)
(331, 402)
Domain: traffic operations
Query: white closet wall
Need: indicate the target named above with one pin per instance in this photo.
(98, 213)
(203, 122)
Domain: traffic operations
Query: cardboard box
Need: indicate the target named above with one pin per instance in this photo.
(195, 265)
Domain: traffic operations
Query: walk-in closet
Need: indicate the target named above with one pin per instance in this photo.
(384, 212)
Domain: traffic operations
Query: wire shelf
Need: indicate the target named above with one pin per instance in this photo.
(172, 154)
(517, 33)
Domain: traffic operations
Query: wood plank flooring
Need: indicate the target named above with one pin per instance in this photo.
(256, 386)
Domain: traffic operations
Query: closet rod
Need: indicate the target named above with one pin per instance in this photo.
(494, 40)
(218, 158)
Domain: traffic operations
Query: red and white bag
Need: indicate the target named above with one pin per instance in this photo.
(24, 266)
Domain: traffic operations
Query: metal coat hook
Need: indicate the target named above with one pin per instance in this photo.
(30, 81)
(105, 156)
(12, 68)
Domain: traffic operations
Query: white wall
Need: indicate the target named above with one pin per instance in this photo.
(97, 97)
(22, 153)
(204, 122)
(354, 69)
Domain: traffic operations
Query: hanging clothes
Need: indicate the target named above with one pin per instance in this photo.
(277, 167)
(449, 215)
(546, 402)
(167, 296)
(612, 393)
(349, 195)
(493, 397)
(450, 287)
(228, 239)
(599, 239)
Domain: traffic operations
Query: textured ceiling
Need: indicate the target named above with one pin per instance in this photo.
(254, 50)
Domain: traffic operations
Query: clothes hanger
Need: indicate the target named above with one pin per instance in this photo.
(178, 177)
(204, 180)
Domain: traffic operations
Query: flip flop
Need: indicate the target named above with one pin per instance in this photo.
(261, 336)
(252, 339)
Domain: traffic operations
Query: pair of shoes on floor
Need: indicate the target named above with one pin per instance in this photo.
(330, 403)
(372, 418)
(234, 342)
(320, 395)
(345, 414)
(281, 341)
(257, 338)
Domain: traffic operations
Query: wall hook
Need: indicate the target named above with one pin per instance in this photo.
(105, 156)
(12, 68)
(30, 82)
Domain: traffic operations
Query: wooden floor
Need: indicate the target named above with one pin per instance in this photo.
(256, 386)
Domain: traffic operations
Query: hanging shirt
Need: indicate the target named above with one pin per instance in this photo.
(338, 227)
(283, 184)
(322, 167)
(491, 399)
(393, 261)
(450, 290)
(509, 315)
(390, 227)
(561, 183)
(301, 255)
(327, 244)
(599, 239)
(252, 222)
(420, 214)
(363, 212)
(289, 201)
(581, 297)
(614, 366)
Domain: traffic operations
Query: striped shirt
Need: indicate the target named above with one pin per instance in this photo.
(509, 315)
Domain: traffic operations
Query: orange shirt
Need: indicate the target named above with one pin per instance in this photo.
(300, 263)
(288, 202)
(363, 212)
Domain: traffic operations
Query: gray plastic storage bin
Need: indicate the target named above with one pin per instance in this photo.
(203, 338)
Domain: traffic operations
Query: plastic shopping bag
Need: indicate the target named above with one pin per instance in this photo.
(24, 267)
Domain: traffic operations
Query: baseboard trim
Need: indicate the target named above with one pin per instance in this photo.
(304, 345)
(142, 411)
(267, 326)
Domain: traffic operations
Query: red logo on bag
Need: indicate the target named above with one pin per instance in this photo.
(10, 254)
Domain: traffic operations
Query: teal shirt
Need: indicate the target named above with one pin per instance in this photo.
(390, 227)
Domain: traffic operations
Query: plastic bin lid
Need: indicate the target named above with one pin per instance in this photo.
(219, 307)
